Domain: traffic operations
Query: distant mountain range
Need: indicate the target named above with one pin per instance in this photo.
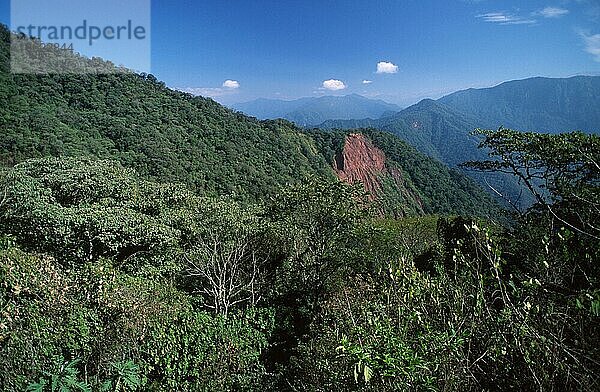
(535, 104)
(442, 129)
(313, 111)
(433, 128)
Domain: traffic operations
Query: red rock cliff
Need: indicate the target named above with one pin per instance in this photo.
(360, 161)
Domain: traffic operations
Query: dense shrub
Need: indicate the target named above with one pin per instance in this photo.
(309, 290)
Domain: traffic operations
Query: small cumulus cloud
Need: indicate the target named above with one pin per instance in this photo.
(333, 85)
(367, 81)
(503, 18)
(592, 44)
(552, 12)
(227, 88)
(233, 84)
(386, 67)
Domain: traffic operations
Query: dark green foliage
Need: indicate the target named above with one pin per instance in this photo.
(83, 210)
(63, 379)
(126, 377)
(474, 323)
(313, 231)
(101, 316)
(440, 190)
(315, 222)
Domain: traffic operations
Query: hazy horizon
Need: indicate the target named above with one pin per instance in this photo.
(408, 103)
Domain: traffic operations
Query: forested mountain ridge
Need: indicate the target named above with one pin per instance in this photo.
(444, 133)
(165, 135)
(440, 132)
(538, 104)
(314, 111)
(171, 136)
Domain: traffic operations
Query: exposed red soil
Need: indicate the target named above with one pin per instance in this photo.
(360, 161)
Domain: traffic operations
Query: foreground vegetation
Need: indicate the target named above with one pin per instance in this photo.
(112, 282)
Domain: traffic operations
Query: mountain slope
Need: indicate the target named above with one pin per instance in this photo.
(313, 111)
(429, 126)
(536, 104)
(441, 128)
(404, 181)
(442, 133)
(171, 136)
(165, 135)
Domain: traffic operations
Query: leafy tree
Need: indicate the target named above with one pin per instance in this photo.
(561, 171)
(86, 209)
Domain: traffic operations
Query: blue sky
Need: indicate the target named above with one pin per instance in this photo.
(238, 50)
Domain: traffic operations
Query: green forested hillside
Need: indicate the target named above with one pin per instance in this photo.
(445, 134)
(434, 187)
(171, 136)
(163, 134)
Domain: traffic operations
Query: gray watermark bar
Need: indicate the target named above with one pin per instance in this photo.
(80, 36)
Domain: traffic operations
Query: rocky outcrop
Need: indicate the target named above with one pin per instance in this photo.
(360, 161)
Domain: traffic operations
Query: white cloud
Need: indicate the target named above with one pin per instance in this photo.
(552, 12)
(592, 44)
(367, 81)
(334, 85)
(386, 67)
(227, 88)
(231, 84)
(504, 18)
